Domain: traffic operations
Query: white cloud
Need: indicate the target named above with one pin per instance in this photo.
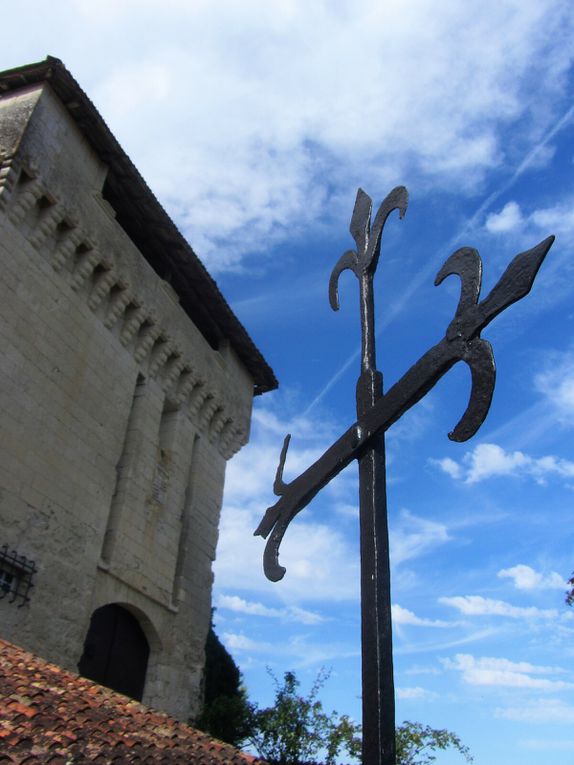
(350, 511)
(558, 219)
(539, 711)
(412, 537)
(414, 693)
(234, 603)
(556, 383)
(544, 745)
(250, 474)
(445, 645)
(449, 466)
(476, 605)
(489, 671)
(508, 219)
(421, 670)
(304, 616)
(250, 100)
(239, 642)
(489, 460)
(298, 649)
(290, 614)
(526, 578)
(402, 616)
(322, 563)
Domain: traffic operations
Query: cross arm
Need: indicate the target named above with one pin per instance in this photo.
(297, 494)
(462, 342)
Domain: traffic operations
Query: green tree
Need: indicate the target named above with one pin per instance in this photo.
(227, 712)
(417, 743)
(296, 728)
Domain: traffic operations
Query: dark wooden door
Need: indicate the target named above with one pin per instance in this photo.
(116, 651)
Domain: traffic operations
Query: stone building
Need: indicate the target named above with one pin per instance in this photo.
(126, 383)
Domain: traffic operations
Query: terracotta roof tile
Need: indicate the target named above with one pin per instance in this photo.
(51, 716)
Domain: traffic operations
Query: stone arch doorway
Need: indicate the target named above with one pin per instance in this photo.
(116, 651)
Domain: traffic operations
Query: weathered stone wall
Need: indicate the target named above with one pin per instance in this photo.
(116, 416)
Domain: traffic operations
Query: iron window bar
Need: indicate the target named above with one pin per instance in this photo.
(16, 572)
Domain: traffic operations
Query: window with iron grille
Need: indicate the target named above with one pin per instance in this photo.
(16, 572)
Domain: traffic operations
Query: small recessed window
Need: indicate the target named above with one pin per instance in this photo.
(16, 572)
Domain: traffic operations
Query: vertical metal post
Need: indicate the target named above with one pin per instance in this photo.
(365, 439)
(376, 636)
(378, 746)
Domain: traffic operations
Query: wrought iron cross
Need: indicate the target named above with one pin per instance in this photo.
(364, 440)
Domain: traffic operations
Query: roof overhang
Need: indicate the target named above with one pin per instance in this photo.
(147, 223)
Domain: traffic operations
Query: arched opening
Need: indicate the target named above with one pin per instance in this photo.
(116, 651)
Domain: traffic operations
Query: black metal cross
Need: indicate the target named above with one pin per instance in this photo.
(364, 440)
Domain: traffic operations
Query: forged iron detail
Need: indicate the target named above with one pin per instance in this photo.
(368, 242)
(461, 343)
(365, 439)
(480, 359)
(363, 262)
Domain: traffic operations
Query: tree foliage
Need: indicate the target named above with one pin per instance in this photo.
(226, 711)
(296, 729)
(570, 592)
(417, 743)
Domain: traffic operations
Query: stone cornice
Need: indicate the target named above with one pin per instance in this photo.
(141, 324)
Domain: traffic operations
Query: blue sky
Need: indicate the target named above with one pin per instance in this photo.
(255, 122)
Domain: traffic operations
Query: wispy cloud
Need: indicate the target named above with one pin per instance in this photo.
(413, 536)
(490, 460)
(556, 383)
(504, 221)
(298, 649)
(444, 645)
(539, 711)
(489, 671)
(508, 219)
(422, 670)
(322, 563)
(255, 169)
(240, 643)
(402, 616)
(415, 693)
(448, 466)
(526, 578)
(558, 219)
(544, 745)
(476, 605)
(252, 608)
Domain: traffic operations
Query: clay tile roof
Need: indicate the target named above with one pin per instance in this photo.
(146, 222)
(50, 715)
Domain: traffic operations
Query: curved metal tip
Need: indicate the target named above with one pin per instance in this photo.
(347, 260)
(480, 359)
(273, 570)
(361, 220)
(334, 290)
(467, 264)
(401, 199)
(279, 485)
